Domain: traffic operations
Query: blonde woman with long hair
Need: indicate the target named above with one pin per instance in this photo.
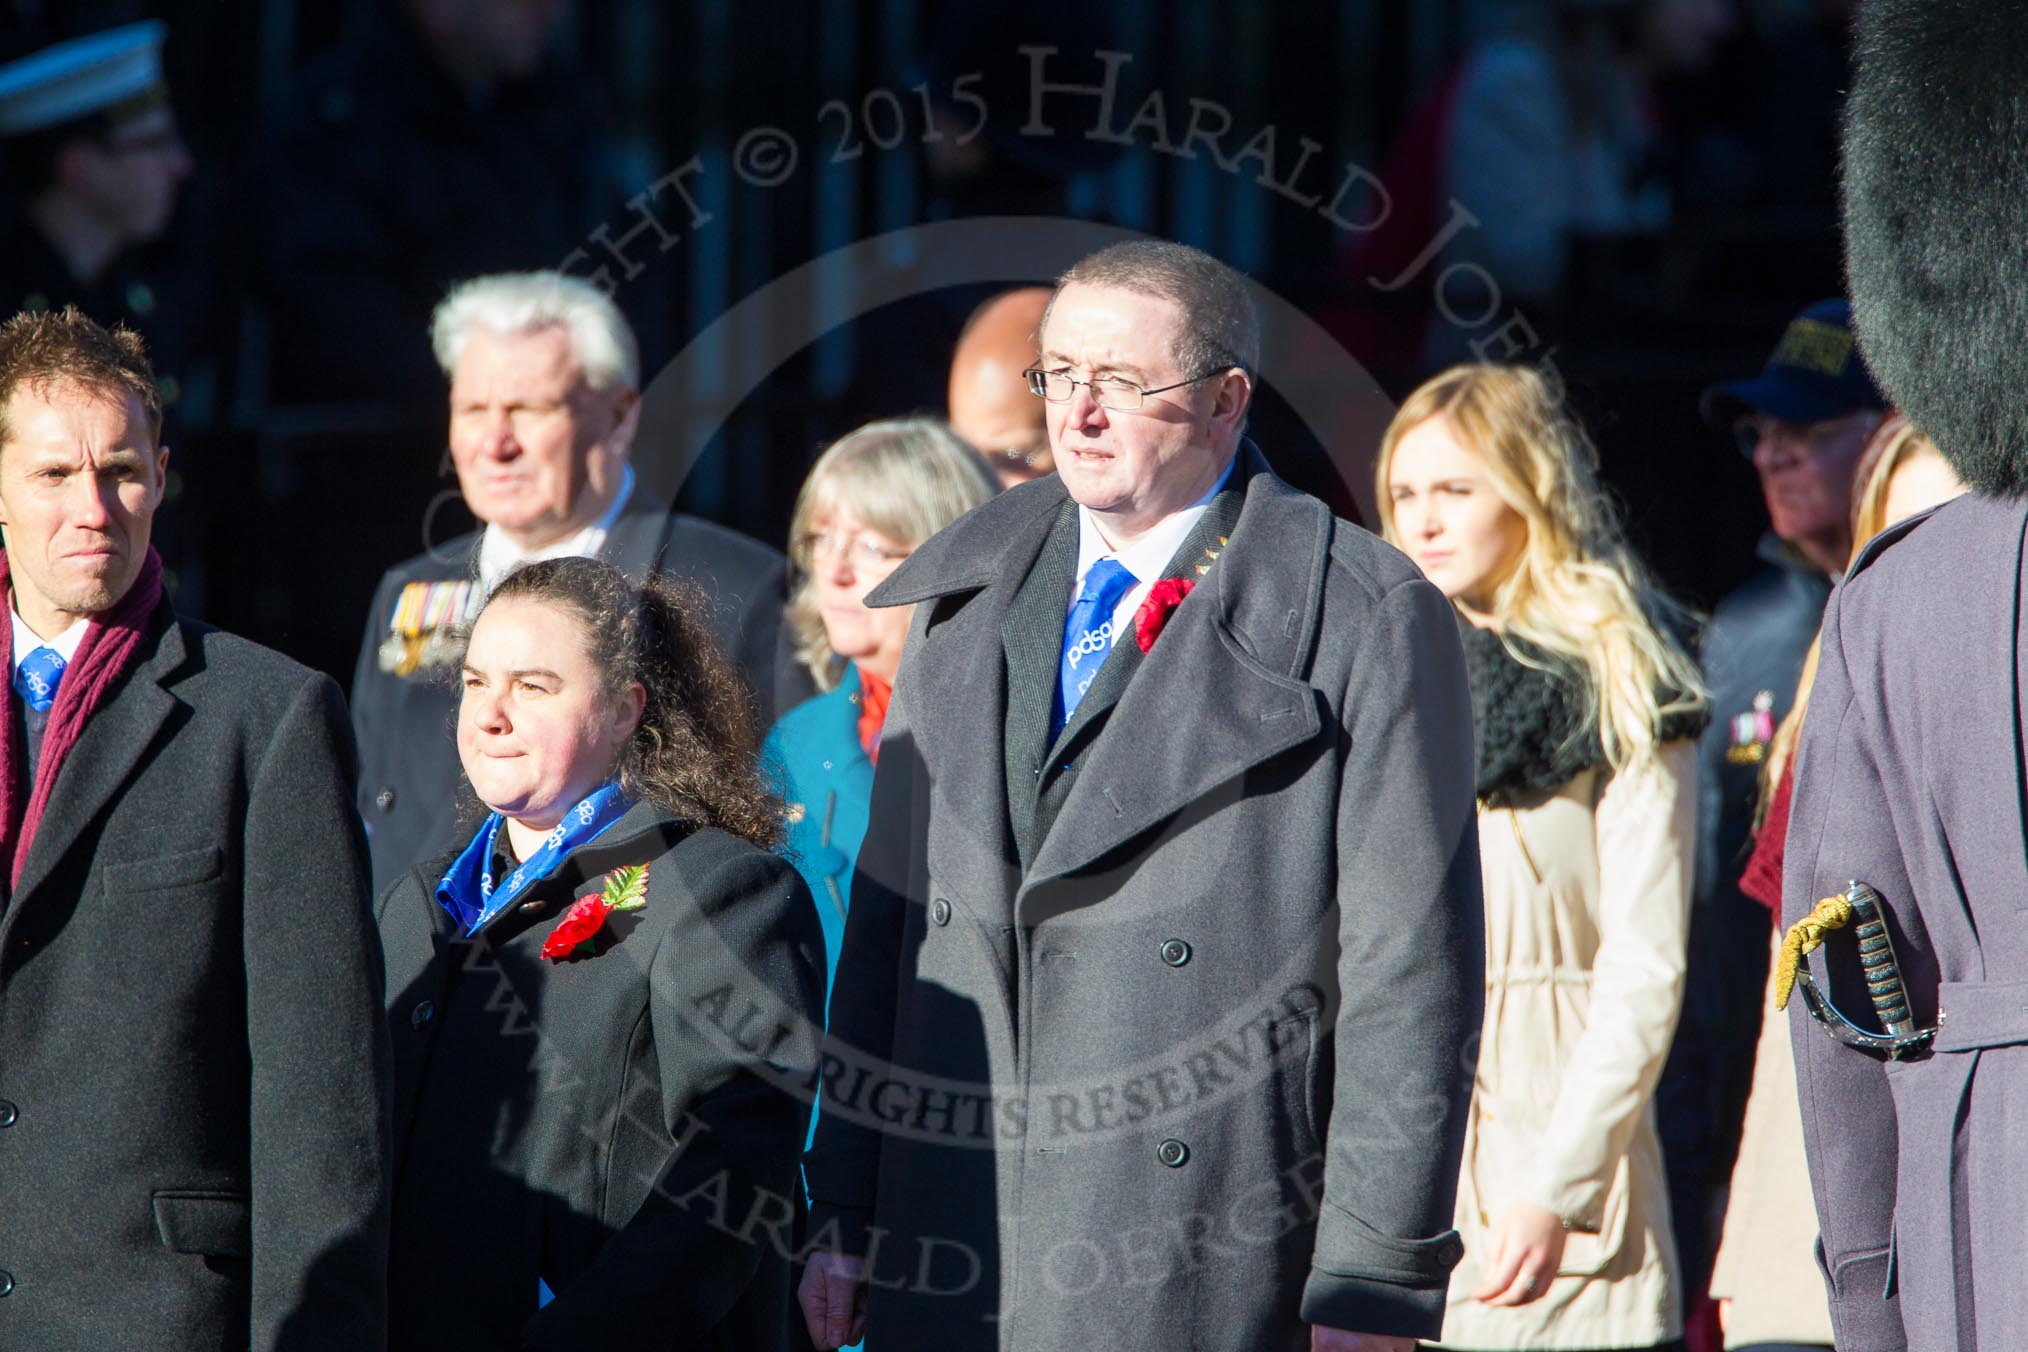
(1587, 710)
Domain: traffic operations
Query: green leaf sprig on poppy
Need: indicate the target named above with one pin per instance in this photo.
(577, 933)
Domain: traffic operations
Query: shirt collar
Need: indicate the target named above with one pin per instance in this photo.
(498, 556)
(26, 640)
(1149, 555)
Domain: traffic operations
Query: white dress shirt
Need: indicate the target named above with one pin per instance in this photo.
(1146, 558)
(26, 641)
(498, 556)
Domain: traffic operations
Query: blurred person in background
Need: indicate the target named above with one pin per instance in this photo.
(92, 161)
(622, 896)
(1586, 708)
(988, 399)
(441, 142)
(1765, 1278)
(544, 401)
(1804, 422)
(92, 168)
(1543, 134)
(870, 499)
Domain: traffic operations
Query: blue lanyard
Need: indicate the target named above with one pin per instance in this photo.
(467, 890)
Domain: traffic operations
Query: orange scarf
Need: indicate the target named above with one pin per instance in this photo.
(873, 693)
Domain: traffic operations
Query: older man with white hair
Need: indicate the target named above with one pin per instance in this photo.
(544, 403)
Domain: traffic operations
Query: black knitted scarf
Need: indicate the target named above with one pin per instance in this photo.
(1528, 722)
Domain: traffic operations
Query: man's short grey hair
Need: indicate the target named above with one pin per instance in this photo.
(1220, 326)
(511, 303)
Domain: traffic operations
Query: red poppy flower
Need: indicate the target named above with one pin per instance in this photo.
(1163, 598)
(584, 919)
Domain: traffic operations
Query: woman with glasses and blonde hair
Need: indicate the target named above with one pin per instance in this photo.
(1587, 709)
(870, 499)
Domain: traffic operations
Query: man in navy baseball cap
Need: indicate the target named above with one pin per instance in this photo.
(1804, 422)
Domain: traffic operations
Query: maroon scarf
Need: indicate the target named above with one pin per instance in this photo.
(110, 649)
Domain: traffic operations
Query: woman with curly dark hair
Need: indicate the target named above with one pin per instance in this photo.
(603, 1004)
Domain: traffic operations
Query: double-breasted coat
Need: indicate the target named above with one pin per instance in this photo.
(192, 1063)
(1910, 778)
(1159, 1035)
(621, 1127)
(409, 775)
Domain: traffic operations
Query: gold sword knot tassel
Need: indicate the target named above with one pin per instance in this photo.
(1805, 937)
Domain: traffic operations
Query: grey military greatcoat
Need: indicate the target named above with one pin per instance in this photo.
(1160, 1036)
(1910, 778)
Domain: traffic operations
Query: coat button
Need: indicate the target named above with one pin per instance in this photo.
(940, 912)
(533, 905)
(384, 800)
(6, 1283)
(421, 1014)
(8, 1116)
(1173, 1153)
(1175, 952)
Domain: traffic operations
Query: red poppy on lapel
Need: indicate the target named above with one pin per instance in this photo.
(626, 890)
(1163, 597)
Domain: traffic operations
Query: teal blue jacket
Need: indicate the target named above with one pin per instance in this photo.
(827, 782)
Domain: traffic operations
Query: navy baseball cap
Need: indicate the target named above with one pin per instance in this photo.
(1815, 373)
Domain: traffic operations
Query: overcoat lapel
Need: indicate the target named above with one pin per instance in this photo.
(1192, 560)
(119, 734)
(989, 551)
(1031, 638)
(1219, 693)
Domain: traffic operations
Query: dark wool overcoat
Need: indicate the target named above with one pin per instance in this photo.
(622, 1127)
(408, 758)
(193, 1133)
(1160, 1036)
(1910, 778)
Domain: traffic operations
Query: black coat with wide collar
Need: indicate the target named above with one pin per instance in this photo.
(623, 1126)
(408, 760)
(193, 1132)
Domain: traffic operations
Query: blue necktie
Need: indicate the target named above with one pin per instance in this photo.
(1088, 636)
(36, 678)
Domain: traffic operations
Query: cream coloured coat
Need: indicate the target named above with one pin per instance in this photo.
(1587, 910)
(1767, 1260)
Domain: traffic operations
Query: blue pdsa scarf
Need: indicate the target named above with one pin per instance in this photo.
(467, 891)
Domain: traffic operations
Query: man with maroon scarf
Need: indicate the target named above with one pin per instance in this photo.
(192, 1061)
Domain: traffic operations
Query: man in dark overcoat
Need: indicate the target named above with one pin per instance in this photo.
(1910, 770)
(193, 1069)
(1154, 1022)
(544, 403)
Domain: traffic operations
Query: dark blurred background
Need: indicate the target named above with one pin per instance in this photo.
(350, 158)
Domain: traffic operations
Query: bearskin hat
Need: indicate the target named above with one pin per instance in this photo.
(1936, 224)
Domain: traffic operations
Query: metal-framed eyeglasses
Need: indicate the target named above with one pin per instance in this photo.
(1121, 396)
(861, 551)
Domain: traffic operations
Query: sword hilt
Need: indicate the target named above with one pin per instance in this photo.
(1878, 963)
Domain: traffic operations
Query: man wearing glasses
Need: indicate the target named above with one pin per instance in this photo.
(1153, 1022)
(1804, 422)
